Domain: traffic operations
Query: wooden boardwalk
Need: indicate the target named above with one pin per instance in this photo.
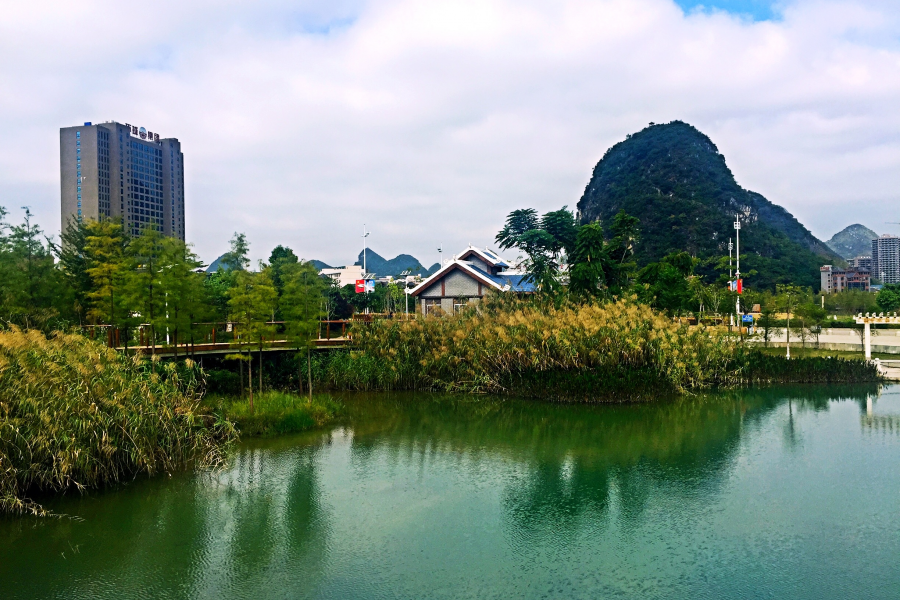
(207, 348)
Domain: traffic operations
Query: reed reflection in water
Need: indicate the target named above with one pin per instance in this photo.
(781, 493)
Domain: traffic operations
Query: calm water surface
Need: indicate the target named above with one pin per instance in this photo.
(780, 493)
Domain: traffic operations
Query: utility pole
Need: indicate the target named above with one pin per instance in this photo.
(27, 210)
(440, 256)
(365, 281)
(737, 252)
(730, 248)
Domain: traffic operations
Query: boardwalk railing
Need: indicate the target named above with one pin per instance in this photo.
(222, 337)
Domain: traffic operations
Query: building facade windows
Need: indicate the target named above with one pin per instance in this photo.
(145, 183)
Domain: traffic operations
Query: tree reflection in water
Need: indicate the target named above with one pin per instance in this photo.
(444, 487)
(576, 460)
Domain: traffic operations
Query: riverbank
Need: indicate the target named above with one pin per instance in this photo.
(274, 412)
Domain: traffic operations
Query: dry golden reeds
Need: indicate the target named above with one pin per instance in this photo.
(77, 415)
(505, 343)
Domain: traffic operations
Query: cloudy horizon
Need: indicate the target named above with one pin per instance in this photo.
(429, 122)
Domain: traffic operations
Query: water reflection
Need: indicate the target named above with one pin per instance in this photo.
(415, 495)
(211, 535)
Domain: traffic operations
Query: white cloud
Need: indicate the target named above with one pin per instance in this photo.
(429, 121)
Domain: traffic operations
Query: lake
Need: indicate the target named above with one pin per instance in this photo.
(790, 492)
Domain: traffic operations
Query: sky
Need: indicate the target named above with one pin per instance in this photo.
(428, 122)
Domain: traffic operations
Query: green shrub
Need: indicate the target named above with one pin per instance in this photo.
(761, 367)
(222, 382)
(275, 412)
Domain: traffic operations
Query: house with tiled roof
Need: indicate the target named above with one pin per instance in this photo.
(468, 278)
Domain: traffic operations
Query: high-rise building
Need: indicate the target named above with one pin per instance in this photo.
(115, 170)
(861, 262)
(886, 258)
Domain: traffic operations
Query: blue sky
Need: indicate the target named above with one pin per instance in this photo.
(758, 10)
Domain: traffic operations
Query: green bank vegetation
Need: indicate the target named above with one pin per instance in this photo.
(596, 351)
(75, 415)
(275, 412)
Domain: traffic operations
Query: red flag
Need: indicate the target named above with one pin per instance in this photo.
(740, 286)
(360, 286)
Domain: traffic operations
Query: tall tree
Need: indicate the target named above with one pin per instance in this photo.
(236, 258)
(544, 242)
(587, 271)
(302, 304)
(30, 286)
(280, 258)
(182, 288)
(73, 262)
(621, 266)
(107, 268)
(251, 301)
(145, 295)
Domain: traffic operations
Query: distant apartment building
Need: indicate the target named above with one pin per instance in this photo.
(116, 170)
(861, 262)
(344, 275)
(837, 280)
(886, 258)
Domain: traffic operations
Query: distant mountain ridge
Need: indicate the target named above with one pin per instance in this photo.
(395, 267)
(852, 241)
(375, 263)
(674, 180)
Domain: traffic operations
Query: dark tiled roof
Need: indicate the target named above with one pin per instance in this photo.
(516, 283)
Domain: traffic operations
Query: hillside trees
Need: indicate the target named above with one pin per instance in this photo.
(674, 179)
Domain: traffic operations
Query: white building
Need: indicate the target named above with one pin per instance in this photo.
(345, 275)
(886, 258)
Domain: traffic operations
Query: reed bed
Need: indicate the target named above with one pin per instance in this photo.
(593, 351)
(77, 415)
(763, 367)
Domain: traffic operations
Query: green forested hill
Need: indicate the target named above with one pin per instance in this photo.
(674, 180)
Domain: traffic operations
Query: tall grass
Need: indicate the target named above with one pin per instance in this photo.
(614, 350)
(77, 415)
(617, 348)
(276, 412)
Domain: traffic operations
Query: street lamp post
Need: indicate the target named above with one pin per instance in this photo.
(737, 253)
(364, 236)
(365, 286)
(730, 248)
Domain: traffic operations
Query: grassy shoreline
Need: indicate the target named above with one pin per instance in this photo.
(274, 412)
